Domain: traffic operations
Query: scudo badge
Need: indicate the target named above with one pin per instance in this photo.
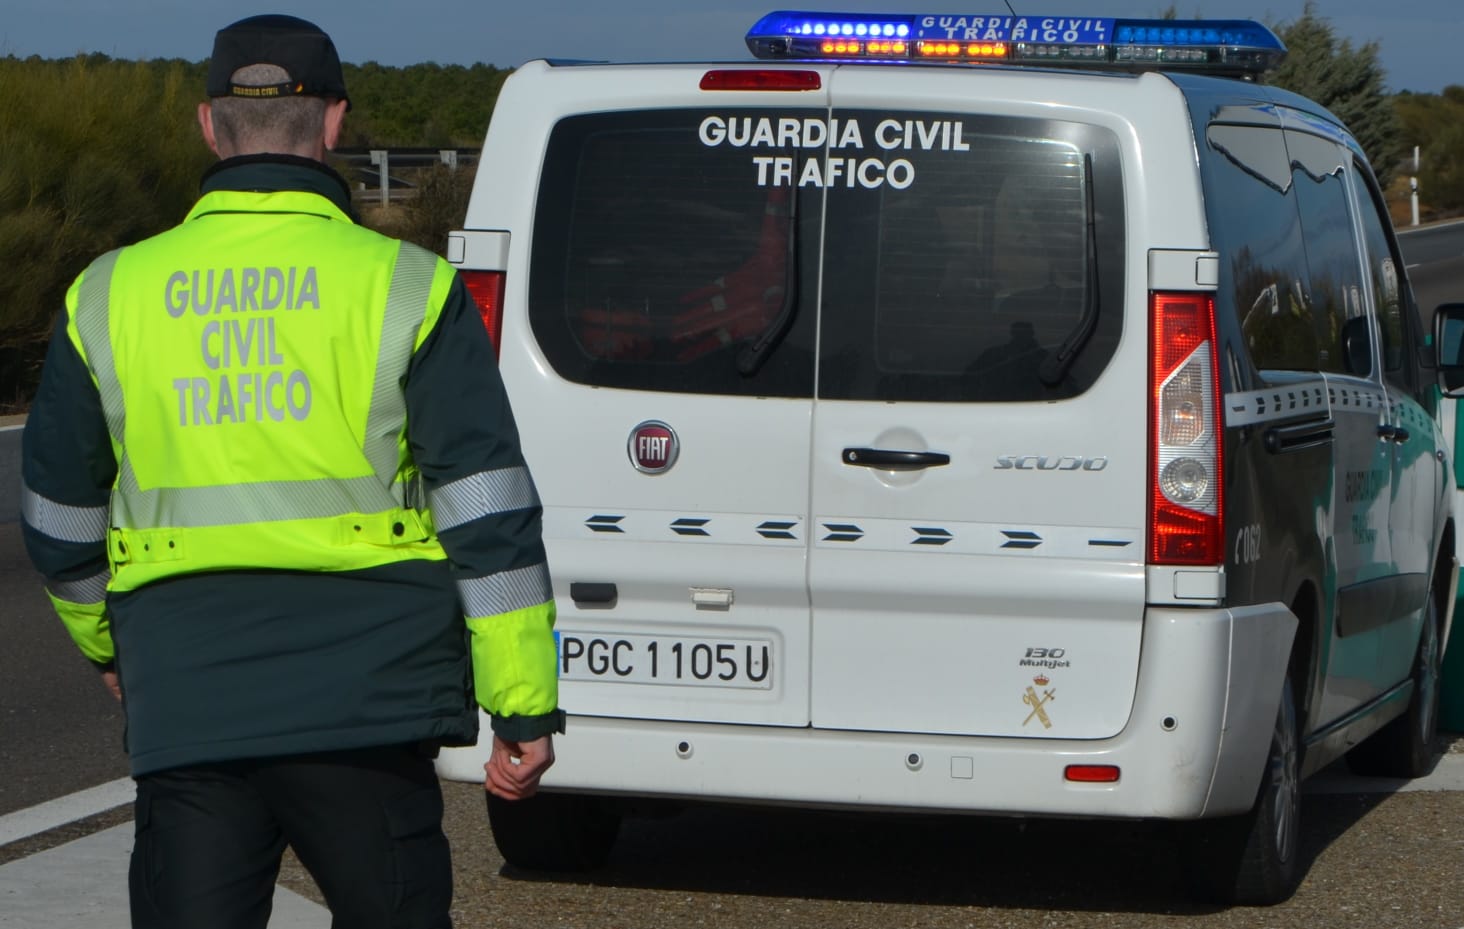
(653, 447)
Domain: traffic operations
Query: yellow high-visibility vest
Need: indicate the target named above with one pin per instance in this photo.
(249, 363)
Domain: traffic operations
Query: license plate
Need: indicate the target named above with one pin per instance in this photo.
(648, 659)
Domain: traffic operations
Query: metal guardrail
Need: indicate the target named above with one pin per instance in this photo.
(368, 167)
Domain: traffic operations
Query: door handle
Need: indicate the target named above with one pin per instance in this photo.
(890, 459)
(1396, 433)
(1298, 436)
(593, 593)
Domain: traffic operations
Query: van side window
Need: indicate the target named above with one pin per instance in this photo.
(1253, 218)
(1389, 287)
(1319, 172)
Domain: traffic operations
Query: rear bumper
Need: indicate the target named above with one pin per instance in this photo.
(1194, 745)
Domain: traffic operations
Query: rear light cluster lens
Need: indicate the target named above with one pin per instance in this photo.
(1092, 773)
(1185, 512)
(486, 288)
(753, 79)
(1184, 480)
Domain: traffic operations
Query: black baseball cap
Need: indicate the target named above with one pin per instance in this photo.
(300, 47)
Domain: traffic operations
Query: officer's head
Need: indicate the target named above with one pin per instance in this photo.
(274, 85)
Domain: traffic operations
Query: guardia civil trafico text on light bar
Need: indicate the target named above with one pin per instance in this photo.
(1234, 47)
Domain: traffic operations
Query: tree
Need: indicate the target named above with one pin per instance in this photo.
(1346, 80)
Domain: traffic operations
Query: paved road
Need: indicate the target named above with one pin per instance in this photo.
(1435, 257)
(60, 731)
(10, 467)
(1378, 858)
(1375, 861)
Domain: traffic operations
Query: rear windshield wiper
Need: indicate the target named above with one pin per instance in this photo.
(754, 354)
(1055, 366)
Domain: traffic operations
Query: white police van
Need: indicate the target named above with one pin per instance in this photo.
(1004, 415)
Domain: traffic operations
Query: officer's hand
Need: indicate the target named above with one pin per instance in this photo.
(513, 769)
(113, 684)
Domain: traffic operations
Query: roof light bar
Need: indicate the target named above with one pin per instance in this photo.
(1235, 47)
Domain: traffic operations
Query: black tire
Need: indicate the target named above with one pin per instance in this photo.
(554, 832)
(1254, 859)
(1405, 747)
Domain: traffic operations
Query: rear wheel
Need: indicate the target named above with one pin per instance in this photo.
(1253, 859)
(554, 832)
(1405, 746)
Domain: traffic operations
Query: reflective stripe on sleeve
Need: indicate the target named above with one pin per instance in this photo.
(61, 522)
(87, 592)
(482, 494)
(506, 591)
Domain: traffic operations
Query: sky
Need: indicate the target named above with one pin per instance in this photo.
(1420, 41)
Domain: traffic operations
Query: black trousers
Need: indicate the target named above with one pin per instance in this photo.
(366, 824)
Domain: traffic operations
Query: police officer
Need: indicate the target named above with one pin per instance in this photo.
(269, 472)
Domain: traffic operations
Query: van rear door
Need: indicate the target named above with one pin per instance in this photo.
(672, 457)
(978, 459)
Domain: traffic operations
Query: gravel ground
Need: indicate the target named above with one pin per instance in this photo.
(1375, 861)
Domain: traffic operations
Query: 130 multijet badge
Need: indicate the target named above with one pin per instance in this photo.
(653, 447)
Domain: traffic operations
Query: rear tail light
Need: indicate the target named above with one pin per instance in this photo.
(487, 290)
(1185, 493)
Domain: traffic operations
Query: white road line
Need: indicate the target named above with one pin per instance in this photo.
(83, 885)
(22, 824)
(1423, 227)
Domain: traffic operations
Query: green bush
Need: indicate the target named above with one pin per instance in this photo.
(1435, 123)
(439, 205)
(97, 154)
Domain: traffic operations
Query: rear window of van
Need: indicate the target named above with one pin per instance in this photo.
(858, 255)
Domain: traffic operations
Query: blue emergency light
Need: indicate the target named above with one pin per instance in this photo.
(1229, 46)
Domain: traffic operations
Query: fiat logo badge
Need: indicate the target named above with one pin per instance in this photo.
(653, 447)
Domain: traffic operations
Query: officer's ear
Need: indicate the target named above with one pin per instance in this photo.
(205, 123)
(335, 120)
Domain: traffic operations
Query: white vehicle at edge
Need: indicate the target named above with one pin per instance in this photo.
(1040, 426)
